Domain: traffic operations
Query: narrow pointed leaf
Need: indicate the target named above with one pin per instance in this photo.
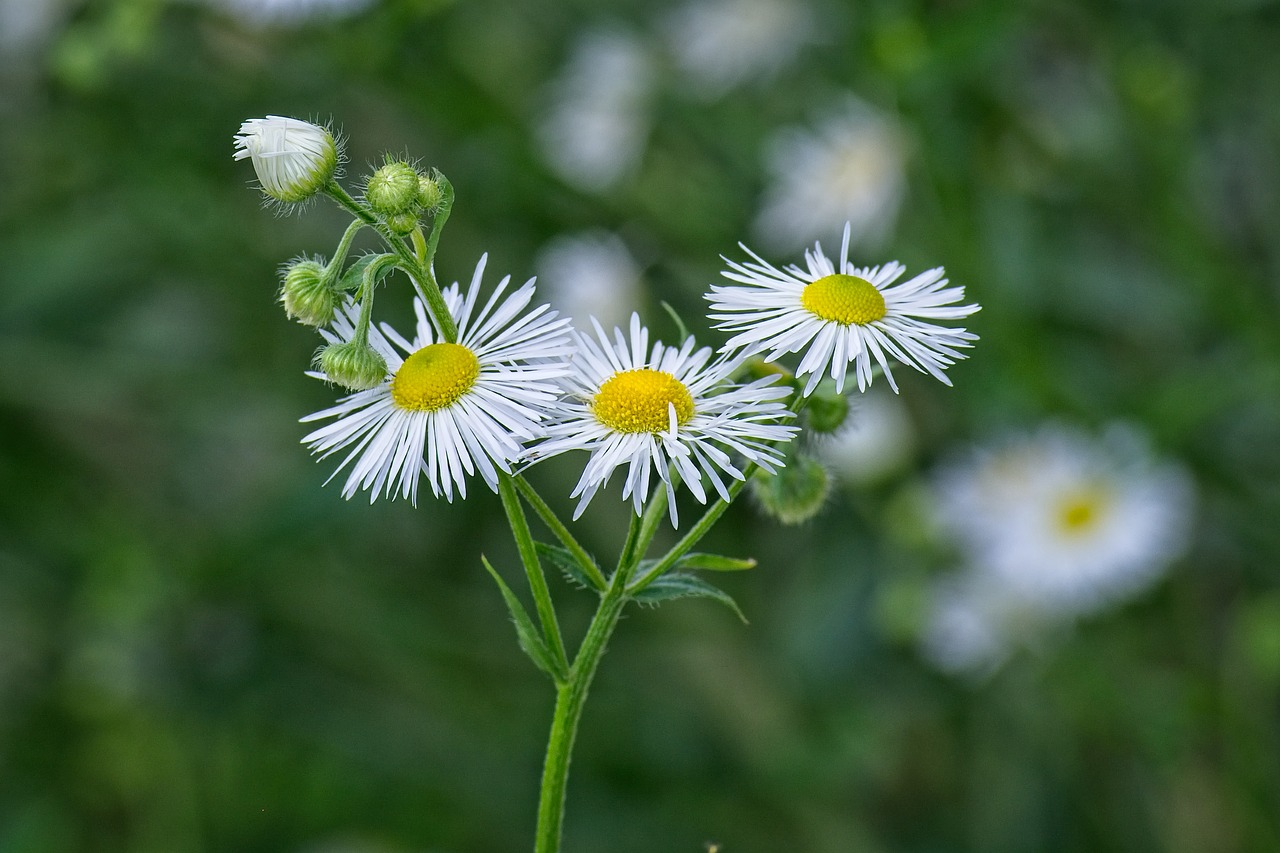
(530, 640)
(563, 559)
(680, 585)
(354, 276)
(715, 563)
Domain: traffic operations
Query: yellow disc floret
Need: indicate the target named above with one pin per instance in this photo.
(640, 401)
(1080, 511)
(846, 299)
(434, 377)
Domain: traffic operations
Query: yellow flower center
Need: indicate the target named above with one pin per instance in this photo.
(1080, 511)
(640, 401)
(846, 299)
(434, 377)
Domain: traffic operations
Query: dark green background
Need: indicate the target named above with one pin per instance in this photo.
(201, 649)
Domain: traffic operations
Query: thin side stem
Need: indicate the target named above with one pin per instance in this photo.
(561, 532)
(532, 568)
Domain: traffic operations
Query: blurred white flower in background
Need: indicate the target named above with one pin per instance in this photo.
(27, 23)
(594, 131)
(850, 169)
(876, 440)
(268, 12)
(1054, 525)
(720, 44)
(590, 274)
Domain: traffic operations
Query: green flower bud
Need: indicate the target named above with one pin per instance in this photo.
(307, 295)
(393, 189)
(402, 223)
(827, 409)
(796, 493)
(353, 365)
(293, 159)
(758, 368)
(429, 192)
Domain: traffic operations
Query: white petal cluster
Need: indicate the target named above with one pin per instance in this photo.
(765, 310)
(727, 420)
(851, 168)
(595, 129)
(521, 354)
(293, 159)
(721, 44)
(1055, 525)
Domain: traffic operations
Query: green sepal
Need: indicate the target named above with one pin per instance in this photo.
(563, 559)
(681, 585)
(354, 276)
(531, 641)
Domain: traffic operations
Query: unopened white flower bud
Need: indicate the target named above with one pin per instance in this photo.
(353, 365)
(294, 159)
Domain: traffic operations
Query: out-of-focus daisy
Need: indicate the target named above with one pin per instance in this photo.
(719, 44)
(850, 169)
(293, 159)
(595, 129)
(842, 315)
(448, 410)
(876, 439)
(1066, 522)
(590, 274)
(972, 625)
(289, 12)
(669, 406)
(26, 24)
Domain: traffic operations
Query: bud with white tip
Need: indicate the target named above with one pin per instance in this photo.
(294, 159)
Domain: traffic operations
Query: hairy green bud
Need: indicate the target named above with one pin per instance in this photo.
(393, 189)
(402, 223)
(307, 294)
(429, 192)
(353, 365)
(827, 409)
(796, 493)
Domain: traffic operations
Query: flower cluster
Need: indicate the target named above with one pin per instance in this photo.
(491, 382)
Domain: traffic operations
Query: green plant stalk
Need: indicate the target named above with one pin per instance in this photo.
(572, 695)
(419, 272)
(334, 267)
(561, 532)
(532, 568)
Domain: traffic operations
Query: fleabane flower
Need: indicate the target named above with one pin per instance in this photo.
(448, 410)
(1065, 521)
(293, 159)
(660, 408)
(842, 315)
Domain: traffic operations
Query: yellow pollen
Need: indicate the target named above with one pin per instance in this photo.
(846, 299)
(640, 401)
(434, 377)
(1078, 512)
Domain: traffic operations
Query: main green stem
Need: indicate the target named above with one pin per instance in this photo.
(572, 695)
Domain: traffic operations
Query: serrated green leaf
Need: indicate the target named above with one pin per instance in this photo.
(563, 559)
(354, 276)
(681, 585)
(715, 563)
(531, 641)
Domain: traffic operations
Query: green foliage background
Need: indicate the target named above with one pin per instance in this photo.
(201, 649)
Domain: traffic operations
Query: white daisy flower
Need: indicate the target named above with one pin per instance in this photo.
(294, 159)
(590, 274)
(1066, 522)
(719, 44)
(967, 626)
(852, 315)
(850, 169)
(669, 406)
(595, 129)
(448, 410)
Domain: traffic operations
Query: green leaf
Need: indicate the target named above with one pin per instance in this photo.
(563, 559)
(714, 563)
(354, 276)
(530, 640)
(680, 585)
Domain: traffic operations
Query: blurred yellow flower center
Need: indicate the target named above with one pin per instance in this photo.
(1079, 511)
(640, 401)
(434, 377)
(846, 299)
